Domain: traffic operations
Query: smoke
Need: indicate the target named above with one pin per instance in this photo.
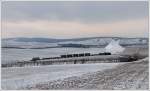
(114, 48)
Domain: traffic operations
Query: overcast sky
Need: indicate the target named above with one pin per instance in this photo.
(74, 19)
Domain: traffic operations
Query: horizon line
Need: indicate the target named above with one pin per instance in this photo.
(76, 37)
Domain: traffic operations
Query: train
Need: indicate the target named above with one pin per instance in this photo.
(75, 55)
(83, 54)
(34, 59)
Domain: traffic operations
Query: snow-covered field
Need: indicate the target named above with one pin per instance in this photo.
(20, 77)
(23, 77)
(129, 76)
(12, 55)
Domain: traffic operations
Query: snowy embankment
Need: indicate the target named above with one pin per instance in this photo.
(129, 76)
(21, 77)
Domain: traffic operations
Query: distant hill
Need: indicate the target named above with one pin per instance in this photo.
(50, 42)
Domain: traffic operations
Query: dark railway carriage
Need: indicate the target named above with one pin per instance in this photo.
(34, 59)
(81, 55)
(75, 55)
(63, 56)
(69, 55)
(87, 54)
(105, 53)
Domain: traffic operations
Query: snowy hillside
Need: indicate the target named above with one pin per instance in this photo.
(14, 43)
(47, 42)
(105, 41)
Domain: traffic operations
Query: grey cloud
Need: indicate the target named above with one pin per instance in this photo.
(70, 11)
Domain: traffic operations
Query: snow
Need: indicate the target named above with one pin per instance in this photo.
(105, 41)
(114, 48)
(129, 76)
(27, 45)
(13, 55)
(18, 77)
(96, 41)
